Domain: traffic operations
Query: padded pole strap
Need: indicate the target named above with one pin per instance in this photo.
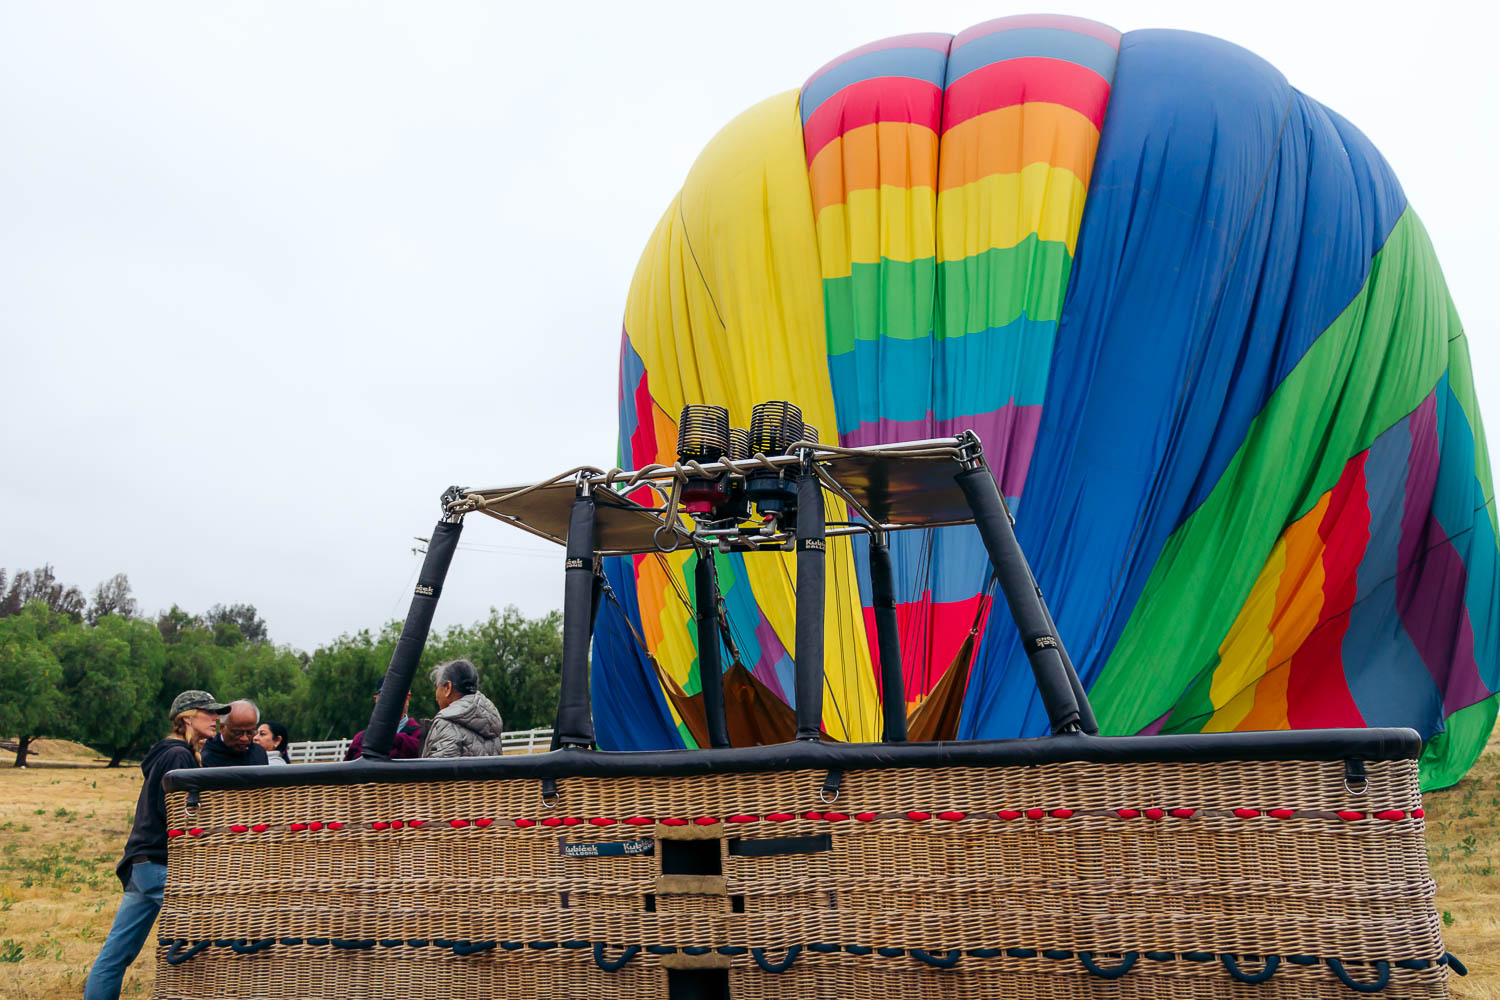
(575, 721)
(710, 668)
(380, 733)
(1043, 647)
(888, 640)
(812, 545)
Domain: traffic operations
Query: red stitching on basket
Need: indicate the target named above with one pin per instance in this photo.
(1184, 813)
(1008, 814)
(1060, 813)
(571, 821)
(1349, 815)
(414, 823)
(601, 821)
(1154, 814)
(673, 821)
(315, 826)
(1127, 813)
(524, 823)
(239, 829)
(260, 828)
(866, 817)
(397, 824)
(1391, 814)
(640, 820)
(1418, 813)
(174, 833)
(1247, 813)
(773, 817)
(835, 817)
(296, 827)
(335, 826)
(195, 832)
(482, 823)
(457, 823)
(706, 820)
(952, 817)
(1282, 813)
(379, 825)
(741, 818)
(917, 817)
(1035, 813)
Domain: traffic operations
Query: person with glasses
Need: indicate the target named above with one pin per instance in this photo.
(143, 869)
(235, 744)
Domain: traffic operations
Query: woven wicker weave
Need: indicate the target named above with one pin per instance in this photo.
(1021, 878)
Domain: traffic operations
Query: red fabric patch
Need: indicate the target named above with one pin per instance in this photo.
(456, 823)
(1154, 814)
(1035, 813)
(1184, 813)
(866, 817)
(1008, 814)
(260, 828)
(1391, 814)
(706, 820)
(239, 829)
(524, 823)
(552, 821)
(1127, 813)
(173, 833)
(601, 821)
(1349, 815)
(335, 826)
(1247, 813)
(674, 821)
(297, 827)
(741, 818)
(918, 816)
(1283, 813)
(379, 826)
(483, 822)
(640, 820)
(315, 826)
(1062, 813)
(952, 817)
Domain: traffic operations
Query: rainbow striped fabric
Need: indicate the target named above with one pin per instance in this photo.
(1202, 335)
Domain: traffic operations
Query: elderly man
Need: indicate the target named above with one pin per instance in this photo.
(235, 743)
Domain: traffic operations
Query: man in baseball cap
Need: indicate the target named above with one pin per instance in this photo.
(143, 869)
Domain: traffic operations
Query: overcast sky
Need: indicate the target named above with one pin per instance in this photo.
(272, 276)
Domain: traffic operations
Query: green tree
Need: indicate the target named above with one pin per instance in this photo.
(30, 702)
(112, 680)
(275, 679)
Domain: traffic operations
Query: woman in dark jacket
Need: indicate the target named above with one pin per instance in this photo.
(143, 869)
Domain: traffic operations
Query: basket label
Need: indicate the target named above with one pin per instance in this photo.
(606, 849)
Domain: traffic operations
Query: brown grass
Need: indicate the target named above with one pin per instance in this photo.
(61, 830)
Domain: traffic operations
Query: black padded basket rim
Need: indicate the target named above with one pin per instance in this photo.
(1318, 745)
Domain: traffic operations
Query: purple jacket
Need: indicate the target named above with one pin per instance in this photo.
(406, 746)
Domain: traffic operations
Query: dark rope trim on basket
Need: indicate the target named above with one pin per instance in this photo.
(180, 950)
(1231, 963)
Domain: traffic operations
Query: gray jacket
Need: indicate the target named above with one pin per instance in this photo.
(470, 727)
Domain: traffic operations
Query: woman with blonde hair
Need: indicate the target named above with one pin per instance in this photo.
(143, 869)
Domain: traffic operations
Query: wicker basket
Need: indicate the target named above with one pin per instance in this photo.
(1063, 879)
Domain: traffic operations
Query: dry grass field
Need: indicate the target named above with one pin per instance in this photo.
(63, 821)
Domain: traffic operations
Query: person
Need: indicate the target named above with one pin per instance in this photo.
(467, 723)
(143, 868)
(407, 742)
(272, 738)
(235, 743)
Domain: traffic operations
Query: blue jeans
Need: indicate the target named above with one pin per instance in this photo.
(131, 929)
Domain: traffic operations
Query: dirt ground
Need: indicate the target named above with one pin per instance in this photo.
(64, 819)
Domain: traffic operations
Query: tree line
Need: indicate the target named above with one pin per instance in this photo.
(95, 670)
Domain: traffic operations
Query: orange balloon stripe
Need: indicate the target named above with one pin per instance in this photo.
(1006, 140)
(897, 154)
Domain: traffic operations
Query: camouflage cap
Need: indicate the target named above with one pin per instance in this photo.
(190, 700)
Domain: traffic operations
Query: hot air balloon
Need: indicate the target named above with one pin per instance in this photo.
(1206, 343)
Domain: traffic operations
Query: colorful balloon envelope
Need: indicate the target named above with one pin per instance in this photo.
(1203, 337)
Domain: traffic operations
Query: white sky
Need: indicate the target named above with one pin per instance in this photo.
(272, 276)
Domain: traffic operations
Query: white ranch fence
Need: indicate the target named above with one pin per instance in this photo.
(516, 741)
